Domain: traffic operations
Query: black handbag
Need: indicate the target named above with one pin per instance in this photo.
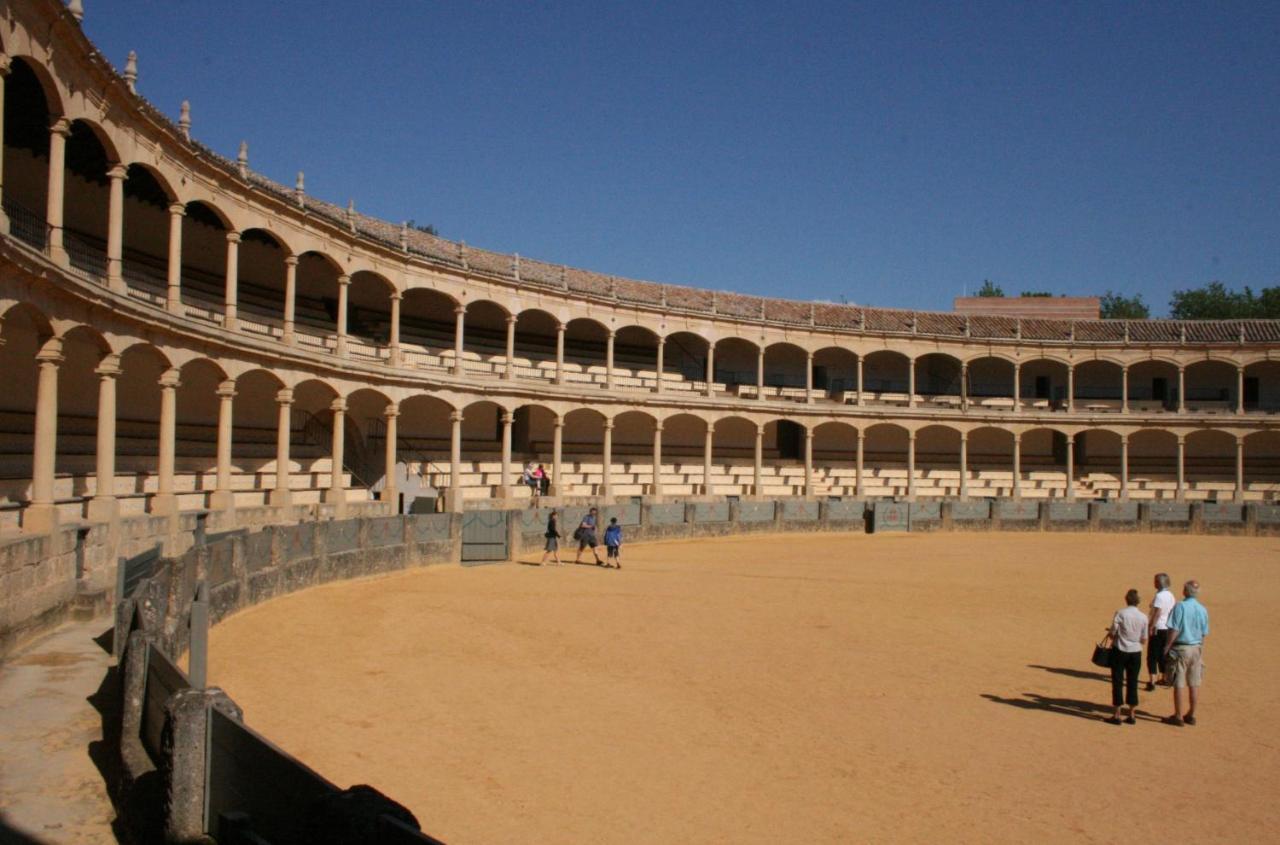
(1102, 653)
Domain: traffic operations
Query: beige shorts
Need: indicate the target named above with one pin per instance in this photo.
(1186, 666)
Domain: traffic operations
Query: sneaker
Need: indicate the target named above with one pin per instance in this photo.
(1151, 686)
(1113, 721)
(1173, 720)
(1189, 719)
(1131, 721)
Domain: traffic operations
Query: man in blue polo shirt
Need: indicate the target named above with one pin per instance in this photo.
(1188, 626)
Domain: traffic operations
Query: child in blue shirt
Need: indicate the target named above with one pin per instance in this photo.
(612, 542)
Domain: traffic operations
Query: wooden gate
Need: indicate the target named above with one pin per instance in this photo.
(484, 536)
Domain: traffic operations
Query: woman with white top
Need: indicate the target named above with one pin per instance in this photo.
(1129, 633)
(1158, 630)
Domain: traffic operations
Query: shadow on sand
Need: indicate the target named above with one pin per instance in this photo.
(1073, 673)
(1092, 710)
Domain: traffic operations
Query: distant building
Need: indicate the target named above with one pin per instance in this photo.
(1037, 307)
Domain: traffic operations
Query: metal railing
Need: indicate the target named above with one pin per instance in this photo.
(26, 225)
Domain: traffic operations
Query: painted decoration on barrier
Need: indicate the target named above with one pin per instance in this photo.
(1267, 514)
(342, 537)
(755, 511)
(385, 531)
(1118, 511)
(924, 512)
(970, 511)
(846, 510)
(257, 547)
(1068, 511)
(1018, 511)
(298, 541)
(431, 527)
(1169, 512)
(799, 511)
(1222, 512)
(711, 512)
(534, 520)
(668, 513)
(890, 516)
(627, 513)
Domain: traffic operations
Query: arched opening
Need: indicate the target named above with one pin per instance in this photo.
(733, 450)
(635, 358)
(938, 378)
(584, 351)
(369, 314)
(365, 438)
(24, 330)
(937, 461)
(990, 458)
(533, 438)
(1097, 386)
(583, 444)
(316, 308)
(484, 338)
(1153, 386)
(260, 281)
(1262, 387)
(885, 460)
(427, 328)
(684, 362)
(482, 450)
(736, 360)
(1043, 457)
(885, 377)
(683, 450)
(1098, 463)
(83, 349)
(1153, 464)
(86, 197)
(990, 382)
(425, 430)
(204, 262)
(1211, 386)
(536, 345)
(632, 452)
(196, 445)
(785, 370)
(28, 114)
(835, 373)
(138, 422)
(255, 415)
(1211, 465)
(835, 449)
(312, 449)
(1043, 384)
(1262, 466)
(145, 234)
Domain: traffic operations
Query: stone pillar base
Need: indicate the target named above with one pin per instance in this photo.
(222, 500)
(452, 501)
(103, 508)
(58, 254)
(331, 496)
(40, 519)
(163, 503)
(280, 498)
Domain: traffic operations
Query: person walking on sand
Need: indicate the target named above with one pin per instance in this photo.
(586, 536)
(1129, 632)
(613, 543)
(552, 535)
(1158, 631)
(1188, 626)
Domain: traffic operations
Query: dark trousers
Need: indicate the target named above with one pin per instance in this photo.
(1125, 668)
(1155, 652)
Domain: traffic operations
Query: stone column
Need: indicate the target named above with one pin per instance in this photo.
(344, 294)
(759, 460)
(165, 500)
(393, 341)
(290, 297)
(1124, 467)
(964, 386)
(1071, 467)
(41, 514)
(459, 328)
(557, 452)
(282, 494)
(760, 373)
(58, 134)
(606, 476)
(455, 462)
(390, 474)
(1180, 492)
(233, 279)
(1017, 387)
(1239, 468)
(1239, 390)
(1124, 389)
(657, 384)
(223, 497)
(711, 367)
(115, 225)
(505, 486)
(510, 372)
(808, 378)
(859, 486)
(911, 466)
(706, 458)
(859, 393)
(4, 72)
(173, 299)
(1071, 388)
(337, 492)
(657, 459)
(1017, 466)
(608, 359)
(964, 465)
(102, 507)
(560, 330)
(911, 382)
(1182, 390)
(808, 462)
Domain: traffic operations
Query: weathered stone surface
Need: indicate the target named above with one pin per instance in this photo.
(891, 516)
(1117, 511)
(183, 755)
(846, 510)
(711, 512)
(1222, 512)
(1068, 511)
(971, 511)
(1017, 511)
(749, 512)
(667, 513)
(1169, 512)
(799, 510)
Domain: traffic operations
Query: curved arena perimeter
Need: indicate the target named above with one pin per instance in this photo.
(182, 336)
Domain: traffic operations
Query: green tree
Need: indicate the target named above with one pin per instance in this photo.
(1035, 294)
(1117, 306)
(428, 228)
(1215, 302)
(989, 288)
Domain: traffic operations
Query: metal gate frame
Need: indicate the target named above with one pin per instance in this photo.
(485, 536)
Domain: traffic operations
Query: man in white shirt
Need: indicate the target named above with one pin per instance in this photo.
(1158, 630)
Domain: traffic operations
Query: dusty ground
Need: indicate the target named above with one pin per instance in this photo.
(814, 688)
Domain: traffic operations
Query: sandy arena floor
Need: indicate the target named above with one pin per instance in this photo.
(811, 688)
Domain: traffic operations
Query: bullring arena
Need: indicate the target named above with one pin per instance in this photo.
(221, 391)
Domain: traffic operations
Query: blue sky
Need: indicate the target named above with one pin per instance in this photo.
(891, 154)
